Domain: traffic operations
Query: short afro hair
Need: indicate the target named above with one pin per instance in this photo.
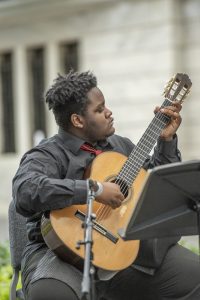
(68, 95)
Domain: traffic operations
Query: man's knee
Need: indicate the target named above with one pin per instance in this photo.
(50, 289)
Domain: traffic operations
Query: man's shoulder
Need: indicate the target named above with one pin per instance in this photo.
(47, 145)
(48, 141)
(121, 144)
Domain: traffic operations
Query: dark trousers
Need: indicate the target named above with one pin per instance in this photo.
(178, 278)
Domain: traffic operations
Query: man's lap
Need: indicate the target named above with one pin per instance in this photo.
(178, 276)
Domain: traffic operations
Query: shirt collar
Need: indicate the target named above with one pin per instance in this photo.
(73, 143)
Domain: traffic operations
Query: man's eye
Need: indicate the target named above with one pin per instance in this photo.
(100, 109)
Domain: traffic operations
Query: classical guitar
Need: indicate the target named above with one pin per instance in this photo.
(62, 229)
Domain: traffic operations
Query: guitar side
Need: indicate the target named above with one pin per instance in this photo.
(110, 251)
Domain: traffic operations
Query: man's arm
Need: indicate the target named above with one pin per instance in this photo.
(165, 152)
(38, 187)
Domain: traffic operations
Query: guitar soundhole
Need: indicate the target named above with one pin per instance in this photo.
(123, 186)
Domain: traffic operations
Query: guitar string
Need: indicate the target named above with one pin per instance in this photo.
(151, 138)
(138, 157)
(123, 186)
(105, 209)
(103, 212)
(148, 149)
(155, 133)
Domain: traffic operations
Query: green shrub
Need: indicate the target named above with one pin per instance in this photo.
(5, 272)
(4, 254)
(5, 277)
(190, 247)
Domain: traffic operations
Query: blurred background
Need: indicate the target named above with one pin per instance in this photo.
(134, 47)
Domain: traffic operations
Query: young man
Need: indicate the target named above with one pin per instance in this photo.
(50, 176)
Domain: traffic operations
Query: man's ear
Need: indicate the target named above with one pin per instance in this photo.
(77, 120)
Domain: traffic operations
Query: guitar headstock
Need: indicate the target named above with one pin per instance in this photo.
(178, 87)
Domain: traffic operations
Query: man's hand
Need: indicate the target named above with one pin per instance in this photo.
(111, 195)
(175, 120)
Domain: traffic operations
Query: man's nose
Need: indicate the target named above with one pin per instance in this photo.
(108, 113)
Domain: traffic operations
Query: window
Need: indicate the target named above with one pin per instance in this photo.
(69, 56)
(8, 122)
(36, 79)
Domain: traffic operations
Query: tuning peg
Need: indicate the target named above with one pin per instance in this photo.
(167, 90)
(188, 92)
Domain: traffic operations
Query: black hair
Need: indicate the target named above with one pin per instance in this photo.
(68, 95)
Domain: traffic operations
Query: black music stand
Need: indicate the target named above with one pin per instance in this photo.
(168, 204)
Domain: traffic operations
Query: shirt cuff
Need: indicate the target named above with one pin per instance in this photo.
(168, 147)
(80, 192)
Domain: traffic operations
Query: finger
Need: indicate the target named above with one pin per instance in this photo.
(170, 113)
(178, 105)
(118, 202)
(121, 197)
(157, 108)
(115, 203)
(173, 108)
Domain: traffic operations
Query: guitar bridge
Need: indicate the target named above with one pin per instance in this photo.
(80, 215)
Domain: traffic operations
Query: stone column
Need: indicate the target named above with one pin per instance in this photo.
(22, 103)
(51, 71)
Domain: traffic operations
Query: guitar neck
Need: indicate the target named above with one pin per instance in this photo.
(143, 148)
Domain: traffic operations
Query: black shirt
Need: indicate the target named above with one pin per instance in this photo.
(50, 175)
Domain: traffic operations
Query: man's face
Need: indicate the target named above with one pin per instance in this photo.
(98, 121)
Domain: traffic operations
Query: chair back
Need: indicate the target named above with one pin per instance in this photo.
(17, 235)
(18, 239)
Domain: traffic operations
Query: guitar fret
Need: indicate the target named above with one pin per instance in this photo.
(139, 154)
(148, 140)
(131, 169)
(151, 140)
(163, 123)
(136, 162)
(143, 151)
(156, 127)
(129, 179)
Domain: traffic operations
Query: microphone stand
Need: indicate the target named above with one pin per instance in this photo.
(88, 287)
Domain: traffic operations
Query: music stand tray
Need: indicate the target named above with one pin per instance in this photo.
(168, 204)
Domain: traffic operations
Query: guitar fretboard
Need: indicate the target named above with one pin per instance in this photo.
(141, 151)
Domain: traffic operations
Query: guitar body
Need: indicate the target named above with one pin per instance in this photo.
(110, 251)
